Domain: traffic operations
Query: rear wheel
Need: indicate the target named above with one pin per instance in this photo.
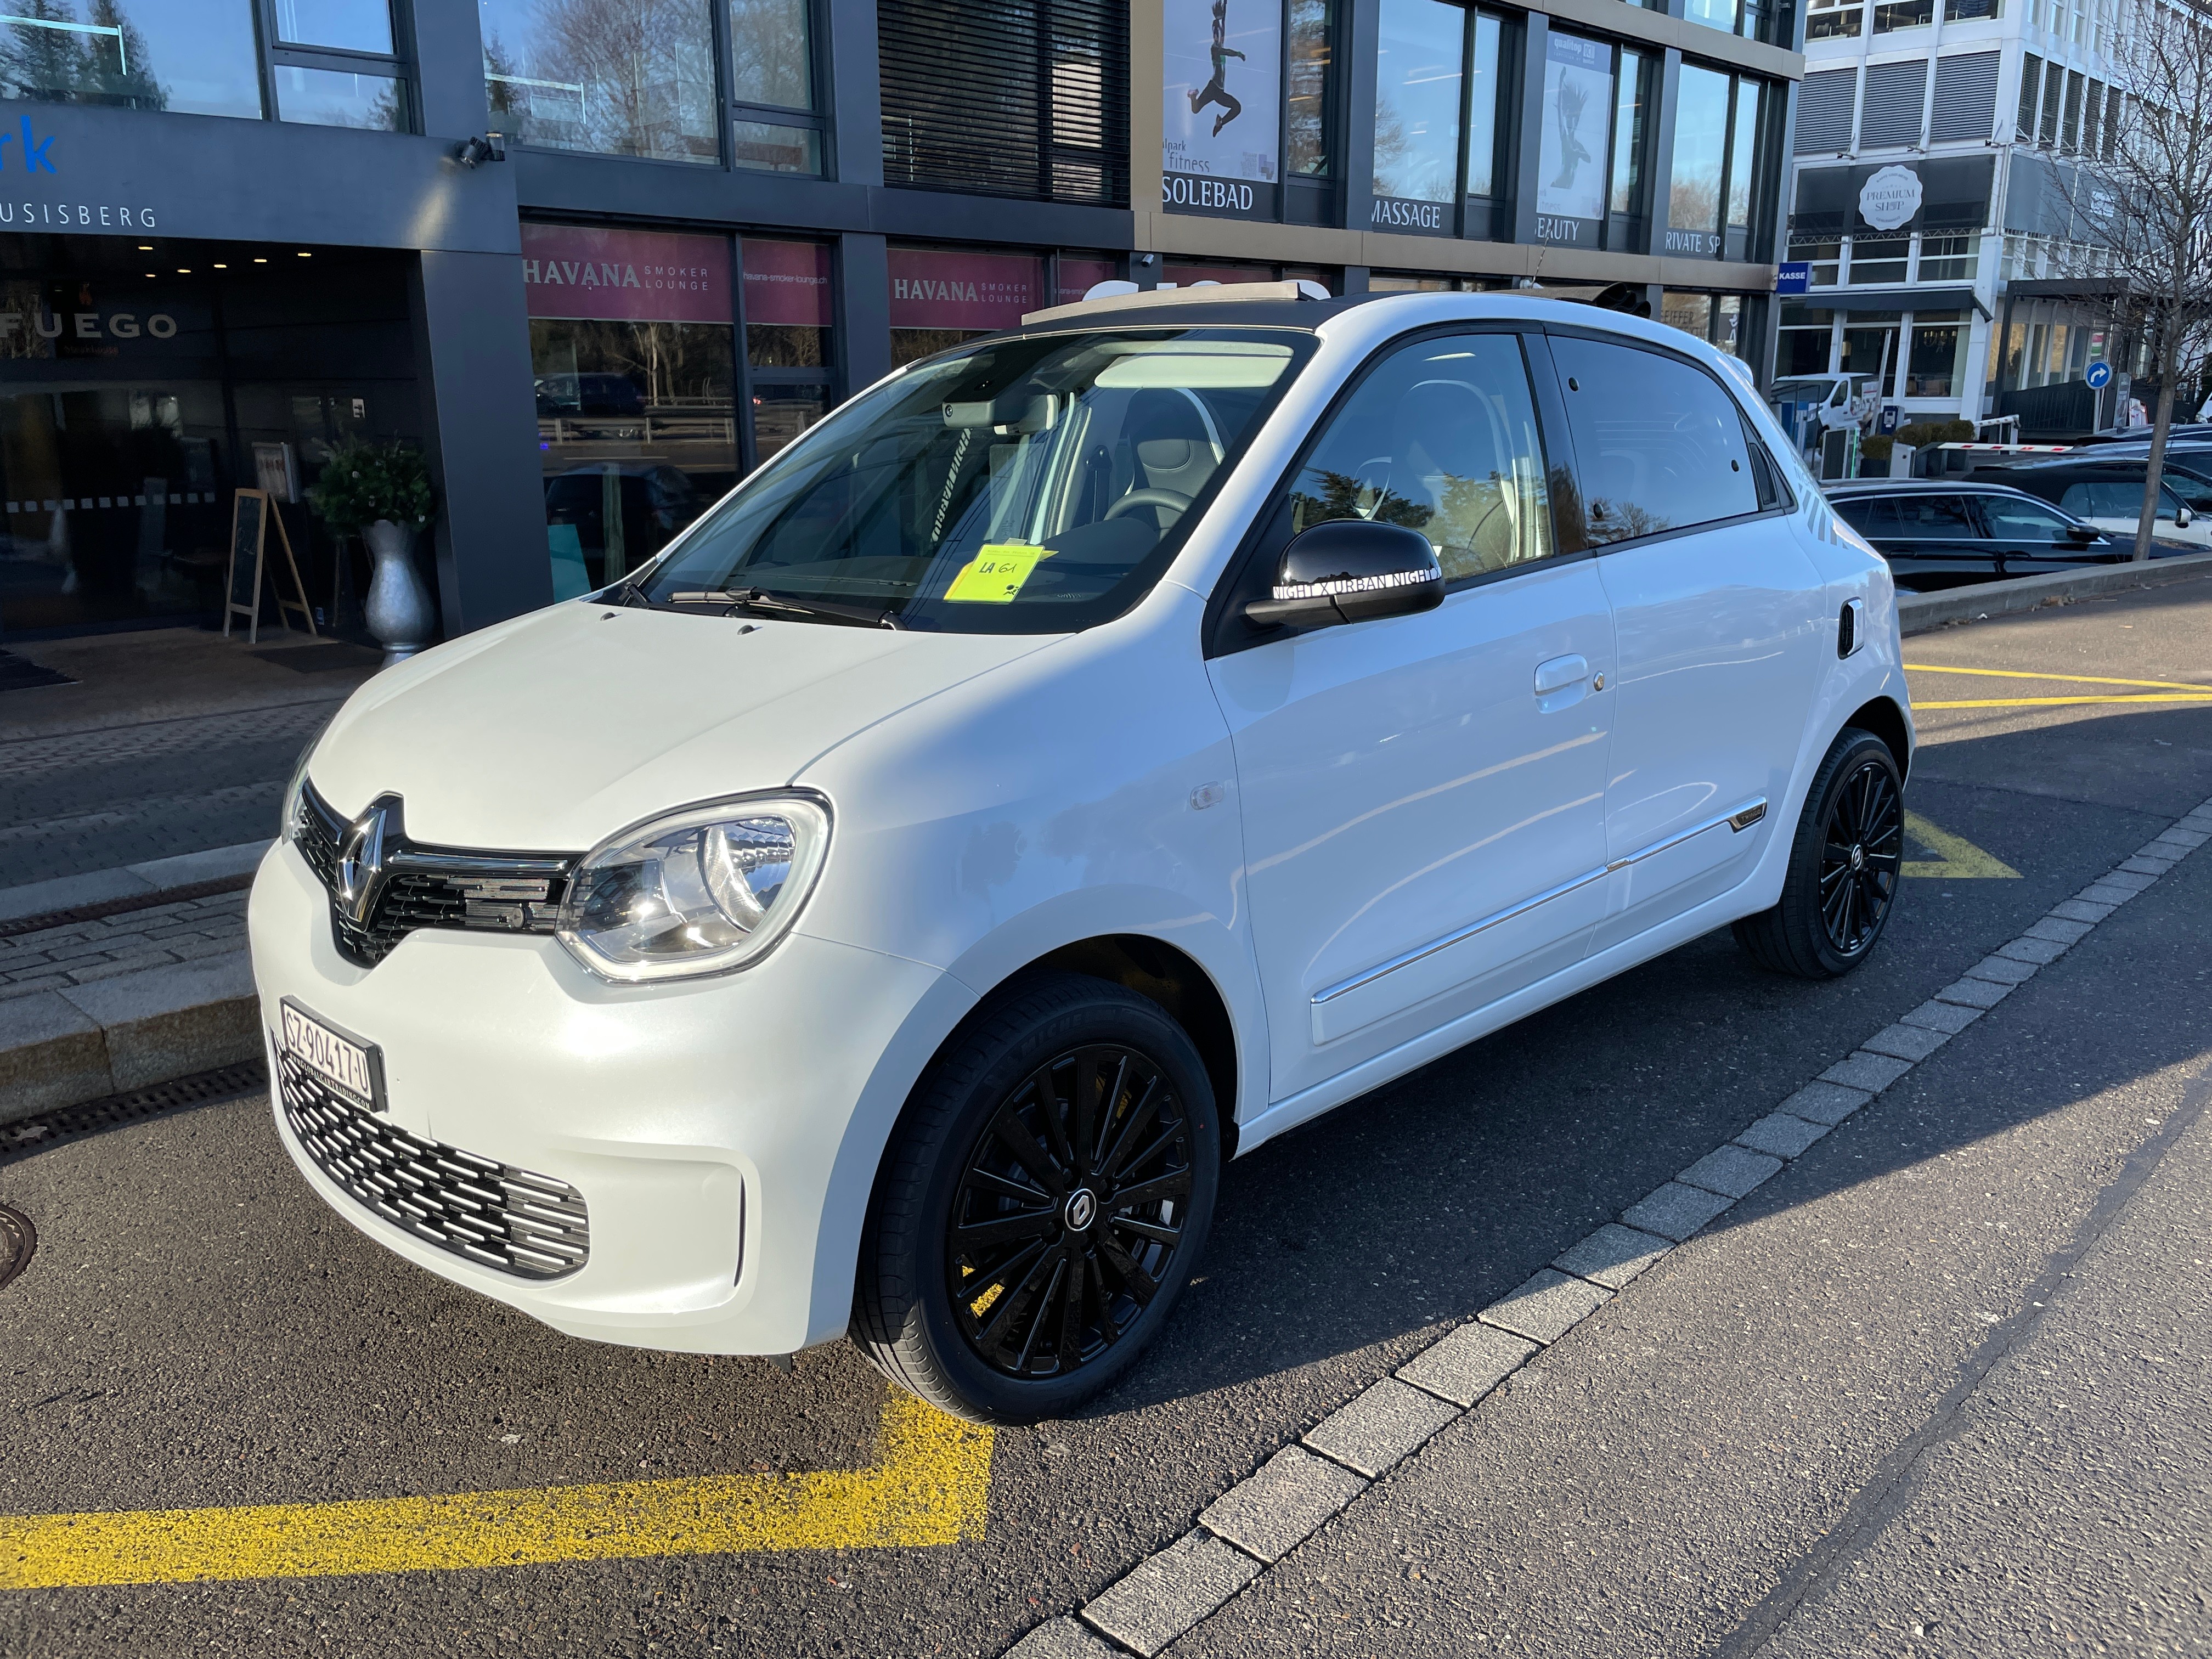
(1041, 1204)
(1845, 864)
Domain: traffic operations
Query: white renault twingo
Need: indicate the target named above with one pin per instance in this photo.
(1087, 754)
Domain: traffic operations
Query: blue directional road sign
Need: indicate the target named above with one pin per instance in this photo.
(2100, 376)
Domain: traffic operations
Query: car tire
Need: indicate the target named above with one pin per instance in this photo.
(1081, 1279)
(1845, 862)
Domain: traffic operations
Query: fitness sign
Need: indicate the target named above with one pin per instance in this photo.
(1221, 119)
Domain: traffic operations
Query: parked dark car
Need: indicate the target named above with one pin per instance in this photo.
(1941, 534)
(2108, 494)
(588, 394)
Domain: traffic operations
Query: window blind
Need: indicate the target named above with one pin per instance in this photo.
(1026, 98)
(1824, 111)
(1891, 120)
(1965, 97)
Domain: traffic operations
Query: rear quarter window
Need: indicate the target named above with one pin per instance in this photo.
(1659, 446)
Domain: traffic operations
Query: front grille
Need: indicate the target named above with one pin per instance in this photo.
(492, 1213)
(439, 887)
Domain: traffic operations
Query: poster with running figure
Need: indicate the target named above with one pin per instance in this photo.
(1221, 138)
(1577, 111)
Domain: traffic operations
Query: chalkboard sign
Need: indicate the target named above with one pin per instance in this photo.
(250, 511)
(249, 522)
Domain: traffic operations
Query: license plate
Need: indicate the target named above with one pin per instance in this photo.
(354, 1068)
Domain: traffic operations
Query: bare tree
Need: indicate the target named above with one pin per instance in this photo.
(2144, 189)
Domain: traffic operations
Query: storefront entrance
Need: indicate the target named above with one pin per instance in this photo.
(141, 383)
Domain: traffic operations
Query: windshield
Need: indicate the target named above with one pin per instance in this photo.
(1027, 486)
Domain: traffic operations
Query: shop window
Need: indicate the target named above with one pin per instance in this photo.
(1871, 346)
(1693, 202)
(614, 77)
(1081, 272)
(1803, 342)
(1572, 153)
(633, 358)
(1691, 313)
(772, 81)
(1947, 258)
(790, 353)
(339, 98)
(187, 56)
(940, 297)
(1633, 108)
(1194, 275)
(1743, 154)
(1485, 106)
(1310, 116)
(1879, 259)
(344, 25)
(1824, 254)
(1417, 99)
(1936, 366)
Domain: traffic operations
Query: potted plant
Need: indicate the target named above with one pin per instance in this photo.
(382, 492)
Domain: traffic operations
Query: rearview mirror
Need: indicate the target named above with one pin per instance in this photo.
(1352, 570)
(2181, 518)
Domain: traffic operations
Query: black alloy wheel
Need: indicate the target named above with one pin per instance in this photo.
(1069, 1217)
(1845, 860)
(1861, 856)
(1041, 1203)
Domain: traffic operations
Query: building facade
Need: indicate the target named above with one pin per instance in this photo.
(1936, 147)
(600, 258)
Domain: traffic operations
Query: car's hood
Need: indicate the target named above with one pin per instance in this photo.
(551, 732)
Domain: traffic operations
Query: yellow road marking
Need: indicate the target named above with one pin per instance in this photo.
(2077, 679)
(1961, 861)
(931, 1487)
(2050, 702)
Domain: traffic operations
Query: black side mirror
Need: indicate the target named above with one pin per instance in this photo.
(2084, 533)
(1352, 570)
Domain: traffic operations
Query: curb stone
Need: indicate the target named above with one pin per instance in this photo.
(78, 1042)
(1237, 1538)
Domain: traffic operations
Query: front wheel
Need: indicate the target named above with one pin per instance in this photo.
(1845, 864)
(1041, 1204)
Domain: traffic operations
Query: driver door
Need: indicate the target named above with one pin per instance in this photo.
(1423, 796)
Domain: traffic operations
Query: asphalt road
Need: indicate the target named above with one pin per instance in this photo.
(1673, 1478)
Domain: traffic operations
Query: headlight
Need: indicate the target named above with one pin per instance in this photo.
(287, 825)
(700, 891)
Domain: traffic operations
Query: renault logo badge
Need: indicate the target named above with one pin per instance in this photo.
(361, 858)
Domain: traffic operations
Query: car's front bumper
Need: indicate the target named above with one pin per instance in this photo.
(723, 1133)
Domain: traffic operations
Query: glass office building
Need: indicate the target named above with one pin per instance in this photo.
(600, 258)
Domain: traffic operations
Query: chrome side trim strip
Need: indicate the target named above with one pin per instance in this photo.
(1738, 820)
(1463, 933)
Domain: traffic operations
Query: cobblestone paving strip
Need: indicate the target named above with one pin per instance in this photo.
(24, 758)
(77, 953)
(1238, 1535)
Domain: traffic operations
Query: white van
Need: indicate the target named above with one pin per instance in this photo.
(1087, 754)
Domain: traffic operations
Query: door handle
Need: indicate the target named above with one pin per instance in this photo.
(1561, 673)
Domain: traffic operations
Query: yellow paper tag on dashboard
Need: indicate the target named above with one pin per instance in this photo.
(995, 575)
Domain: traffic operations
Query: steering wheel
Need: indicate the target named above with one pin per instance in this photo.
(1174, 499)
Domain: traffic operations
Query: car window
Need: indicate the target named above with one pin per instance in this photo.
(1933, 518)
(1027, 485)
(2102, 498)
(1440, 436)
(2193, 490)
(1658, 444)
(2012, 518)
(1871, 516)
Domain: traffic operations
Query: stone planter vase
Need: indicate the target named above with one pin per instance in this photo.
(400, 614)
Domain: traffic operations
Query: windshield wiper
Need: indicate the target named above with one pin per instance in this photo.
(761, 599)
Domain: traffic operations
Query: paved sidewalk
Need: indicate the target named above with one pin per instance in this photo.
(172, 741)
